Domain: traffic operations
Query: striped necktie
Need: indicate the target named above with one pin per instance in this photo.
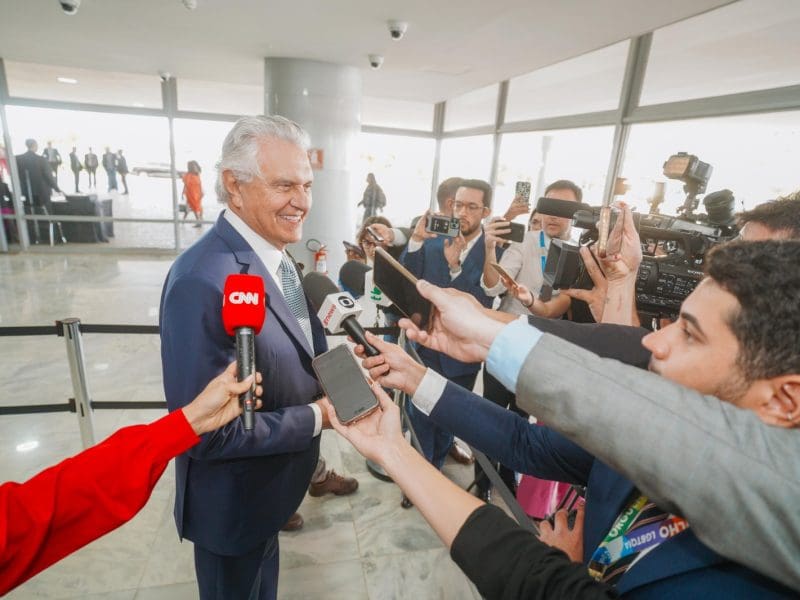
(293, 293)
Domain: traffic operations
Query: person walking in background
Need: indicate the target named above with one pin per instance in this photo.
(374, 199)
(76, 167)
(91, 163)
(53, 158)
(193, 191)
(110, 165)
(122, 169)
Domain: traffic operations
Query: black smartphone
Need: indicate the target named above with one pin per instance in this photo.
(517, 233)
(523, 190)
(375, 235)
(344, 384)
(400, 286)
(449, 226)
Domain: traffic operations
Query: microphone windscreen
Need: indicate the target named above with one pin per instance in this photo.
(559, 208)
(316, 287)
(243, 303)
(352, 275)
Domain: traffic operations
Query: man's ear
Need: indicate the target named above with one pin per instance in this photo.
(782, 407)
(232, 187)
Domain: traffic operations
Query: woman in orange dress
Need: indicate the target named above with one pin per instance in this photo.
(193, 191)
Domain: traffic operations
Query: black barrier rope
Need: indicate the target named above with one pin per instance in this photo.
(29, 330)
(58, 329)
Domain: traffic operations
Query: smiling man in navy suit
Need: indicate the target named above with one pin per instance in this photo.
(236, 489)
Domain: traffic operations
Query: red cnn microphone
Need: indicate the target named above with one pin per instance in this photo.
(243, 313)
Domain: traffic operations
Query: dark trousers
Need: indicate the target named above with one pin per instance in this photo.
(77, 175)
(435, 442)
(252, 576)
(92, 177)
(496, 392)
(124, 177)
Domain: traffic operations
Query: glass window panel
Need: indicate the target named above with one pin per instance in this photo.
(201, 141)
(222, 98)
(747, 45)
(145, 145)
(403, 167)
(755, 156)
(386, 112)
(467, 157)
(472, 109)
(580, 155)
(588, 83)
(29, 80)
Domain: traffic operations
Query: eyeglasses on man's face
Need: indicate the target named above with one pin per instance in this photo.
(472, 208)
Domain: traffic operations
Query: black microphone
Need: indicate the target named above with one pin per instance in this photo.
(352, 275)
(337, 310)
(560, 208)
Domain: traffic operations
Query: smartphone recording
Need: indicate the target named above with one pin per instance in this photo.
(400, 286)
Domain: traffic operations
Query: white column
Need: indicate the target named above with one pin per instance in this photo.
(325, 99)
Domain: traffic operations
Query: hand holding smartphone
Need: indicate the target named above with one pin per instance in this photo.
(508, 281)
(400, 286)
(344, 384)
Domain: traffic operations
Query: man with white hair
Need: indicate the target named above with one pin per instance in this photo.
(237, 488)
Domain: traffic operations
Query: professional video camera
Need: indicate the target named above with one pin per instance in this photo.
(674, 247)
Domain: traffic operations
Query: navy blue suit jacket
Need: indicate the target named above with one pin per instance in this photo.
(236, 489)
(681, 567)
(429, 263)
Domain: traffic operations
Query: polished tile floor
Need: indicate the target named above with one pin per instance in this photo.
(362, 546)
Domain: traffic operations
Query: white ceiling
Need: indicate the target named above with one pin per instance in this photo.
(450, 47)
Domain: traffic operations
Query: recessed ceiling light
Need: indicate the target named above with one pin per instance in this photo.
(67, 80)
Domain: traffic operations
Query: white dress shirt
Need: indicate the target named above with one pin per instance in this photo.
(271, 257)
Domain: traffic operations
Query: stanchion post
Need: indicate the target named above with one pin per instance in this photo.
(77, 369)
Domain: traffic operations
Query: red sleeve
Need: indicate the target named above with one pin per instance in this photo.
(84, 497)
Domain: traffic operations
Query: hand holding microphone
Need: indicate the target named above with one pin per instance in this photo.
(243, 313)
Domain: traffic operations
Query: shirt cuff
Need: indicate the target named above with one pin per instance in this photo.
(413, 245)
(497, 289)
(317, 418)
(429, 391)
(509, 350)
(400, 238)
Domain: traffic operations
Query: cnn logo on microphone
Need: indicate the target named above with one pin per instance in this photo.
(244, 298)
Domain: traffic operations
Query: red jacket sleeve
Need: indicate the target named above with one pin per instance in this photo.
(84, 497)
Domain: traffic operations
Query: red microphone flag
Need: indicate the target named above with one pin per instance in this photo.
(243, 303)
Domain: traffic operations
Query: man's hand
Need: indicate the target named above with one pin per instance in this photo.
(460, 328)
(377, 436)
(492, 231)
(387, 233)
(322, 403)
(518, 207)
(218, 404)
(617, 271)
(419, 234)
(595, 297)
(452, 251)
(392, 368)
(569, 541)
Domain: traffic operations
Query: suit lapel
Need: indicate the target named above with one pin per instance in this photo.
(252, 265)
(610, 494)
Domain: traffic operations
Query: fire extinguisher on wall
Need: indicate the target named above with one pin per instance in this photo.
(320, 255)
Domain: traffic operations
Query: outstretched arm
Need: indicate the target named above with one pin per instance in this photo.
(84, 497)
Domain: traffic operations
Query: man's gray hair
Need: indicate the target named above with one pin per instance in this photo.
(241, 146)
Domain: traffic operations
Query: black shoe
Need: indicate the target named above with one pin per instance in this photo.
(405, 502)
